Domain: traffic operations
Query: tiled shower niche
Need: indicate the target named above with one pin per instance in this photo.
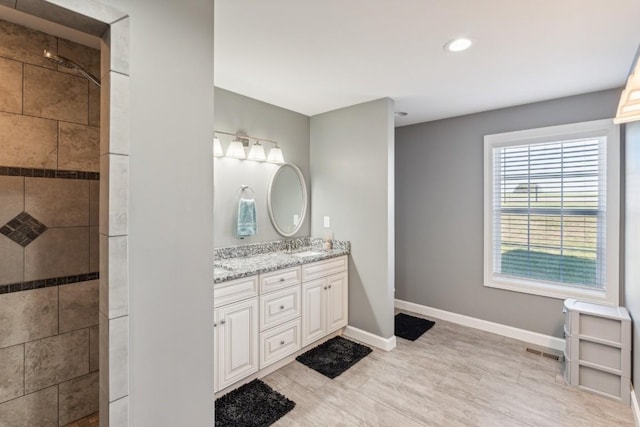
(49, 261)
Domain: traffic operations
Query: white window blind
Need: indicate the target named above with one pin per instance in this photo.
(549, 209)
(552, 211)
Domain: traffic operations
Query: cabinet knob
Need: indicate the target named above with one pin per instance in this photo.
(282, 342)
(329, 286)
(222, 322)
(215, 324)
(282, 279)
(282, 307)
(325, 287)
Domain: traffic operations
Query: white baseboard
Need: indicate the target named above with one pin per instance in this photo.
(484, 325)
(387, 344)
(634, 407)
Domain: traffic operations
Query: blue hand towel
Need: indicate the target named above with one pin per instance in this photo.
(247, 225)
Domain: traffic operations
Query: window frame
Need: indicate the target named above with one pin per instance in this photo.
(591, 129)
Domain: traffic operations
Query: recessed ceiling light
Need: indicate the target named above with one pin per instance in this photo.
(458, 45)
(400, 114)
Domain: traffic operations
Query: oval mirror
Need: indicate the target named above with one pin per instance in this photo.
(287, 199)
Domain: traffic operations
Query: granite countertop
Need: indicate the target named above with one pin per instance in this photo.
(244, 266)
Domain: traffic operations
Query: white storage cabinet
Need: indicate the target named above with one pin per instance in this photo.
(235, 330)
(324, 298)
(598, 348)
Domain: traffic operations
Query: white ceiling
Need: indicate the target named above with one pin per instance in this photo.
(316, 56)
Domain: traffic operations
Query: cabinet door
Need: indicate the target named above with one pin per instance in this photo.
(337, 302)
(238, 341)
(313, 310)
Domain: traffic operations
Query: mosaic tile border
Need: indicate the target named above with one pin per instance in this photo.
(49, 173)
(45, 283)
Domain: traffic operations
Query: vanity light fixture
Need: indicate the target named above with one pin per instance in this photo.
(236, 149)
(257, 152)
(629, 106)
(458, 45)
(217, 147)
(275, 155)
(241, 142)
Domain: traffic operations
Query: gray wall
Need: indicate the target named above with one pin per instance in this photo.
(256, 118)
(352, 182)
(632, 239)
(171, 211)
(439, 211)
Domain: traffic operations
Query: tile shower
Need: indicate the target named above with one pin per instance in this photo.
(49, 185)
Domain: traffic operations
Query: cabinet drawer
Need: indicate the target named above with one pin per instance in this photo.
(601, 328)
(324, 268)
(235, 290)
(279, 307)
(279, 279)
(606, 356)
(279, 342)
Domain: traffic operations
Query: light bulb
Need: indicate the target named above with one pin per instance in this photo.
(217, 147)
(257, 153)
(236, 150)
(275, 155)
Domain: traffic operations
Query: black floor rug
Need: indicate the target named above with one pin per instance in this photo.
(333, 357)
(410, 327)
(253, 404)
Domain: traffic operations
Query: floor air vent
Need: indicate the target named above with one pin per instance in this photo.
(543, 354)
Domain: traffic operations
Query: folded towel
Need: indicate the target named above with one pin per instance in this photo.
(247, 225)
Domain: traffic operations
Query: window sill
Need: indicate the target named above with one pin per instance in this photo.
(550, 290)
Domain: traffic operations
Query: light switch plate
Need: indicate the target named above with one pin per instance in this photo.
(327, 222)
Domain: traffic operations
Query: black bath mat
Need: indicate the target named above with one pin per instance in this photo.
(253, 404)
(334, 356)
(410, 327)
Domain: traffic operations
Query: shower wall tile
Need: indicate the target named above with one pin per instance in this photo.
(78, 147)
(10, 86)
(11, 372)
(8, 3)
(94, 105)
(58, 252)
(114, 125)
(25, 45)
(114, 194)
(28, 142)
(36, 409)
(78, 305)
(11, 261)
(114, 276)
(54, 95)
(114, 364)
(115, 48)
(94, 202)
(78, 398)
(28, 316)
(94, 249)
(84, 56)
(94, 348)
(58, 202)
(56, 359)
(12, 193)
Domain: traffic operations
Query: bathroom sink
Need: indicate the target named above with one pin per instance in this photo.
(305, 254)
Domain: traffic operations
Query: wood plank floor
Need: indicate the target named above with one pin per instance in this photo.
(451, 376)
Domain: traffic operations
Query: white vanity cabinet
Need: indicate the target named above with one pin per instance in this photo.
(236, 335)
(268, 318)
(324, 298)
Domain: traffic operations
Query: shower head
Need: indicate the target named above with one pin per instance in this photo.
(67, 63)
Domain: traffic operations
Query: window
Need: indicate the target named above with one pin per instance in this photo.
(552, 211)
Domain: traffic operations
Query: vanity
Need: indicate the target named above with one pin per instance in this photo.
(276, 299)
(272, 303)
